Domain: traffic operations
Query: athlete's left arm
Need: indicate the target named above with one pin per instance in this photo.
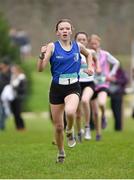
(89, 59)
(115, 63)
(97, 63)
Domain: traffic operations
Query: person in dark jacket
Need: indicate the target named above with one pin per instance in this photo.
(5, 75)
(133, 113)
(117, 90)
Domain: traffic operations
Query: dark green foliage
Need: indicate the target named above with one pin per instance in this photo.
(7, 48)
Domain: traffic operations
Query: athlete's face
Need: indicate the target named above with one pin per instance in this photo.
(94, 44)
(82, 38)
(64, 31)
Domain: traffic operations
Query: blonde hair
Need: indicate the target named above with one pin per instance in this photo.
(63, 20)
(94, 36)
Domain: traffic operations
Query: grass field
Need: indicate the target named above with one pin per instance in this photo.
(31, 155)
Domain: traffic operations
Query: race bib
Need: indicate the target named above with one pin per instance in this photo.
(66, 79)
(99, 79)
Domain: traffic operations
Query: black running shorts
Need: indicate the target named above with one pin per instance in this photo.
(98, 91)
(58, 92)
(87, 84)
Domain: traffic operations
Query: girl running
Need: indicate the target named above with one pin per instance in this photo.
(102, 80)
(87, 88)
(65, 60)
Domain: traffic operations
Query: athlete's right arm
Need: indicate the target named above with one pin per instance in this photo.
(47, 51)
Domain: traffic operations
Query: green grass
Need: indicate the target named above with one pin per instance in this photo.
(30, 154)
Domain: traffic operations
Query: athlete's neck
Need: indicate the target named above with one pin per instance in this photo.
(98, 49)
(66, 44)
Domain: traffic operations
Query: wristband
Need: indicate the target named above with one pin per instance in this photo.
(41, 56)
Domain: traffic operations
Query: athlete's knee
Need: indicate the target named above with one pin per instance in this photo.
(70, 112)
(102, 102)
(59, 128)
(102, 105)
(85, 101)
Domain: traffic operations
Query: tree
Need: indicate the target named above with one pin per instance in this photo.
(7, 48)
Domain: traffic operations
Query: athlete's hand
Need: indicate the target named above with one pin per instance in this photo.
(44, 49)
(110, 78)
(89, 71)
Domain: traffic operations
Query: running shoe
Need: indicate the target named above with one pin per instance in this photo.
(87, 133)
(98, 137)
(71, 141)
(60, 157)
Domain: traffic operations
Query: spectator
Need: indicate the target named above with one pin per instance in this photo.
(24, 44)
(133, 113)
(18, 82)
(117, 90)
(21, 39)
(5, 75)
(13, 36)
